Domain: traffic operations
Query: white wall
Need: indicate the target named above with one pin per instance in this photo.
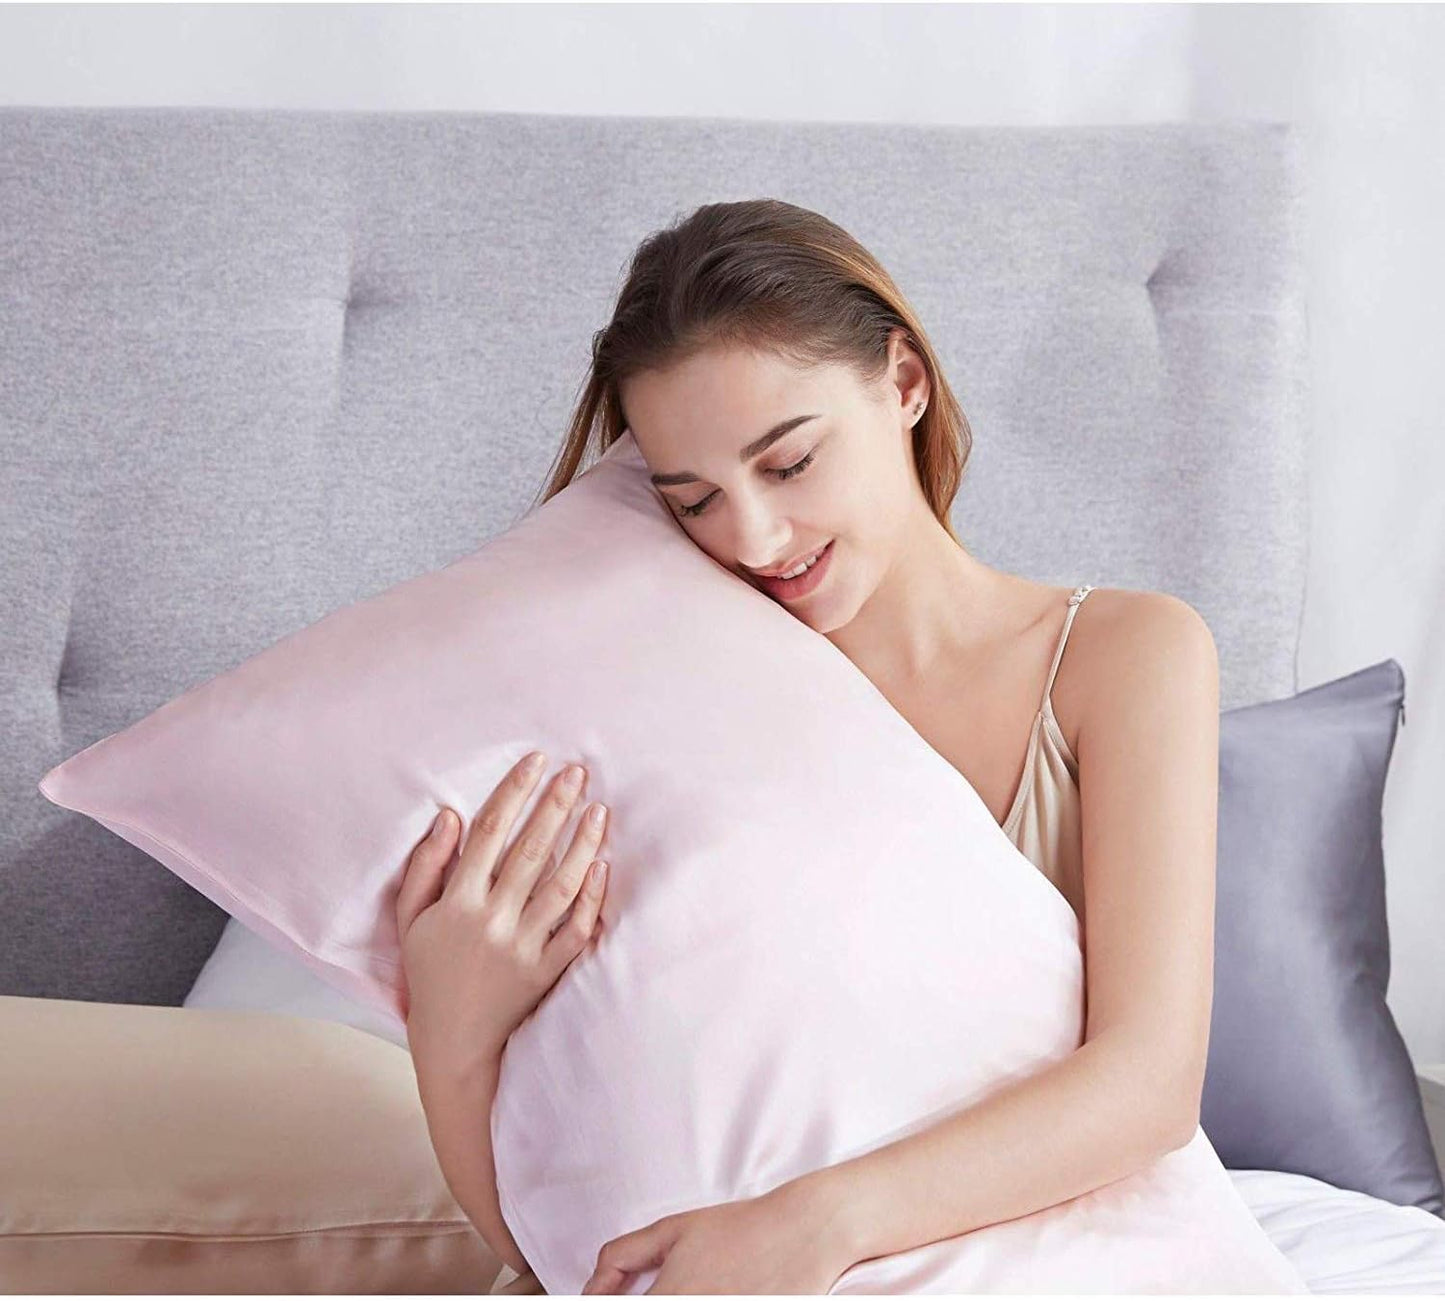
(1363, 80)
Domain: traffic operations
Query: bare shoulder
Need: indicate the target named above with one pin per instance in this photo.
(1133, 646)
(1146, 703)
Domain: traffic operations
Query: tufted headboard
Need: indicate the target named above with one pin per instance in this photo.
(255, 366)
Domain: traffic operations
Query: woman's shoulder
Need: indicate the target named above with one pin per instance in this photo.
(1119, 638)
(1111, 620)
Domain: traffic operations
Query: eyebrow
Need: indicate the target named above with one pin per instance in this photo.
(753, 450)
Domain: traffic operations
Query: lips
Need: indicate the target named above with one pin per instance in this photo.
(793, 564)
(793, 590)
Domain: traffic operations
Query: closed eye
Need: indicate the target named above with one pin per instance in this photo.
(787, 472)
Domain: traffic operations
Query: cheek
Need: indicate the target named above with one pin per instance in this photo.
(880, 501)
(845, 505)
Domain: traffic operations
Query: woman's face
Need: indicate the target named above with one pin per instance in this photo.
(842, 473)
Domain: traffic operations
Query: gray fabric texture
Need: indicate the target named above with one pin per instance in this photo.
(1307, 1070)
(257, 365)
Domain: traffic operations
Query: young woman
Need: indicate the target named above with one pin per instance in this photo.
(793, 412)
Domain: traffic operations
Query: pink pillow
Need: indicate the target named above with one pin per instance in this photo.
(817, 937)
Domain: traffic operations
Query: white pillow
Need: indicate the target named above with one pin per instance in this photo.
(246, 973)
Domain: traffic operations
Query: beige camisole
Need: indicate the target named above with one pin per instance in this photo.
(1044, 820)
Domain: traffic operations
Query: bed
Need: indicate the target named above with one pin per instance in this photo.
(258, 365)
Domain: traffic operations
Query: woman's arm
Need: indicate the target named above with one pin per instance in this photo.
(1148, 751)
(1083, 1122)
(458, 1106)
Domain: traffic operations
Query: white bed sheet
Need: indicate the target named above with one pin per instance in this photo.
(1342, 1241)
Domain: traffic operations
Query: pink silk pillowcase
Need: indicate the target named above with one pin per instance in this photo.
(817, 938)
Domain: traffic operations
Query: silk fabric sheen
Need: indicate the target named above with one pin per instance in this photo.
(149, 1149)
(818, 940)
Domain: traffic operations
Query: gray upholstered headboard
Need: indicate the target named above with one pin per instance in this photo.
(258, 365)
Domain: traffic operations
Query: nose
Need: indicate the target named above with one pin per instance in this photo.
(760, 536)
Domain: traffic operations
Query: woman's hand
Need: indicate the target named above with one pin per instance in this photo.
(478, 947)
(787, 1241)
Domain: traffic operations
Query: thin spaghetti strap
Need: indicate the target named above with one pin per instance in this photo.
(1075, 601)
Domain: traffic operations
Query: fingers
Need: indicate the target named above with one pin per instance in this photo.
(632, 1253)
(585, 922)
(579, 882)
(554, 896)
(490, 830)
(530, 854)
(421, 883)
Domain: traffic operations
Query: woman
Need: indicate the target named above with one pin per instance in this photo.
(792, 413)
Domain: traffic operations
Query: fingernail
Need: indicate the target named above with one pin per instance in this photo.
(440, 824)
(534, 761)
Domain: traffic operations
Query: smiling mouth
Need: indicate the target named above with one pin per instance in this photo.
(792, 590)
(804, 559)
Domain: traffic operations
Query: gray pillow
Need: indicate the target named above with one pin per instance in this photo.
(1307, 1071)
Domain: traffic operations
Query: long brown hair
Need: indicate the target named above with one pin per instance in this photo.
(771, 277)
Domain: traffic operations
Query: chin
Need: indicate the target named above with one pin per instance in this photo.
(827, 616)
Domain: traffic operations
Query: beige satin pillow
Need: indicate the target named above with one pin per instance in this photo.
(182, 1150)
